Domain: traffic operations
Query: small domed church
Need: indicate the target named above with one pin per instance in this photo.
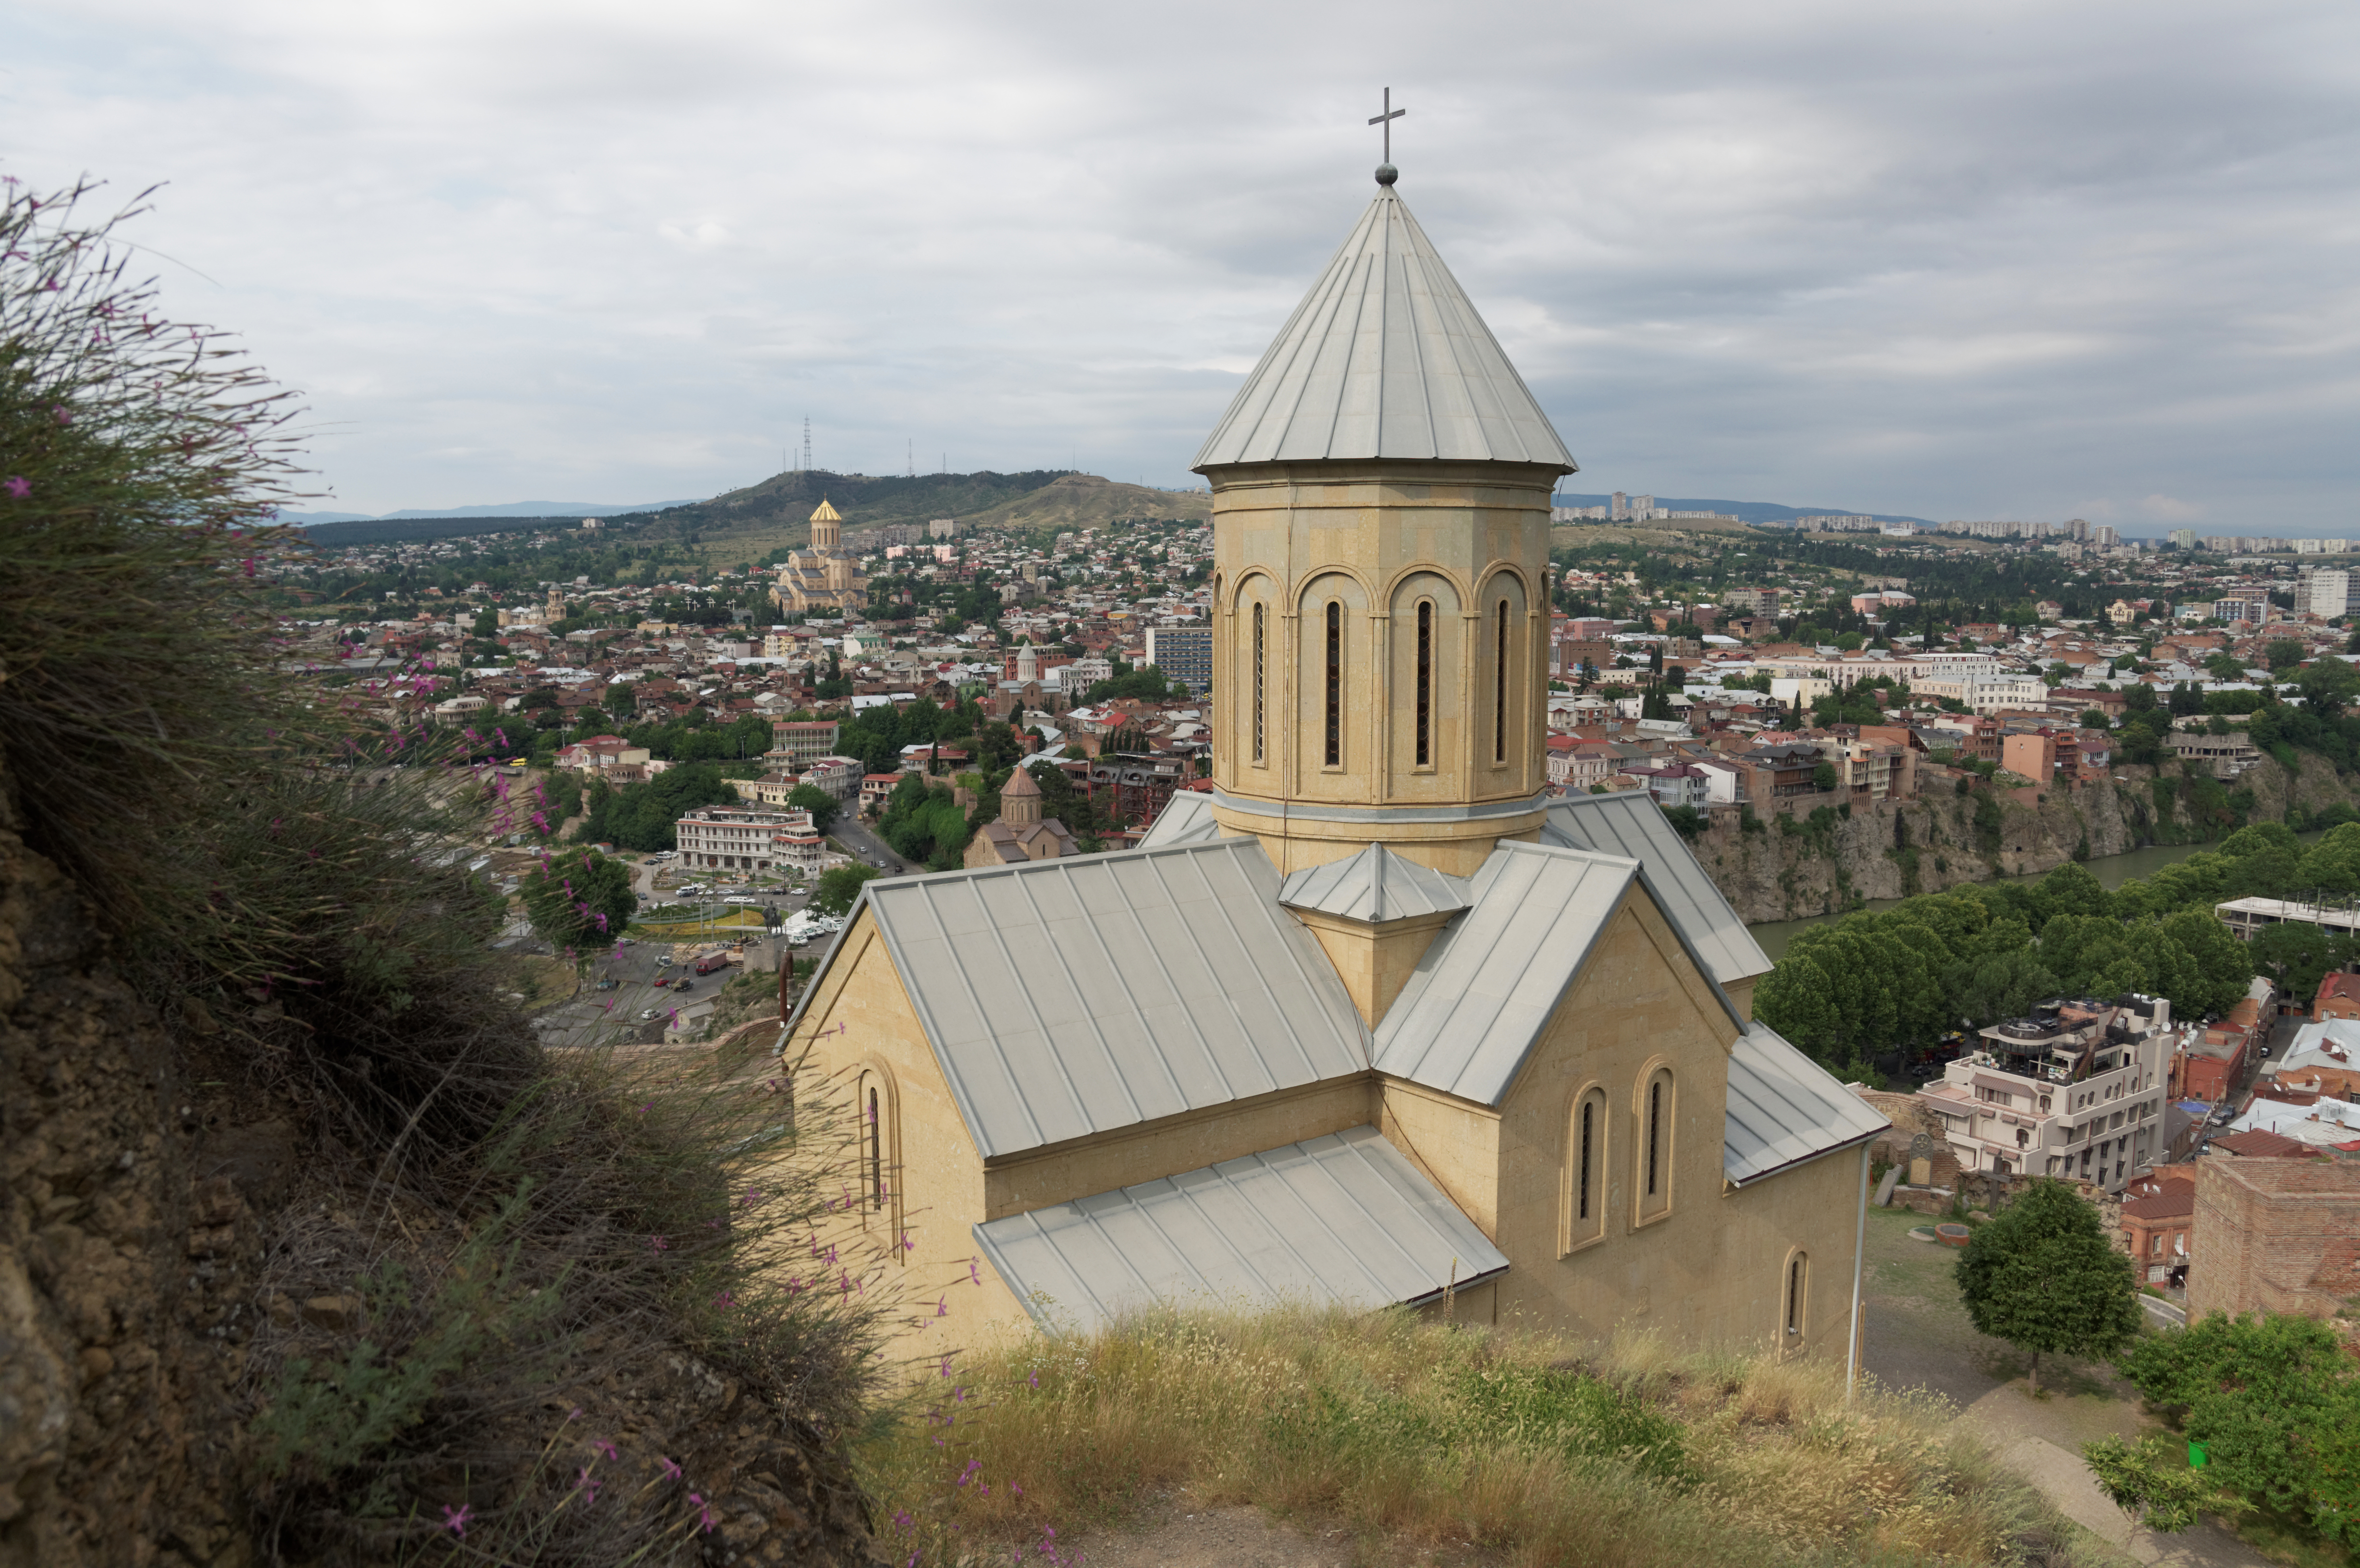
(1376, 1021)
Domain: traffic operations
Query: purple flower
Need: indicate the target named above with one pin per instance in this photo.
(1036, 1379)
(19, 486)
(604, 1447)
(455, 1519)
(942, 1307)
(724, 1300)
(753, 1196)
(657, 1243)
(972, 1273)
(671, 1470)
(705, 1511)
(947, 1365)
(907, 1245)
(586, 1486)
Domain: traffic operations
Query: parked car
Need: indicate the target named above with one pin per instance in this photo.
(648, 1015)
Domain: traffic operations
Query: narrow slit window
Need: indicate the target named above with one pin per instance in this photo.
(1425, 685)
(1335, 684)
(1655, 1133)
(1588, 1164)
(1795, 1268)
(1257, 684)
(875, 1154)
(1499, 689)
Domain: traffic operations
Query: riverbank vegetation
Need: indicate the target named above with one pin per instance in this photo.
(1859, 987)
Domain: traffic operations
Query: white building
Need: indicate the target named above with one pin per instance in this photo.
(745, 838)
(2074, 1091)
(2323, 592)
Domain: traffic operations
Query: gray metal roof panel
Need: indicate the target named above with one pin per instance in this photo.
(1186, 818)
(1629, 823)
(1069, 997)
(1476, 1004)
(1783, 1108)
(1342, 1219)
(1375, 886)
(1384, 358)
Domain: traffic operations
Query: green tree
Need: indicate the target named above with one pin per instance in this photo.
(822, 805)
(580, 903)
(2296, 954)
(839, 887)
(2044, 1277)
(1823, 777)
(2275, 1402)
(2149, 1482)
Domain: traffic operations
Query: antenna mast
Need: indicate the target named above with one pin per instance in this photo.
(806, 443)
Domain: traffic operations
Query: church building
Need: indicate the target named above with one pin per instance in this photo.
(1376, 1021)
(1019, 833)
(823, 577)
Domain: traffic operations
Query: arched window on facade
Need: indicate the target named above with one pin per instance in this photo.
(1425, 683)
(878, 1151)
(1654, 1155)
(1797, 1302)
(1335, 727)
(1499, 687)
(1259, 714)
(1585, 1171)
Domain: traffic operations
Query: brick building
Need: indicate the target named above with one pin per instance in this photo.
(2339, 996)
(2274, 1234)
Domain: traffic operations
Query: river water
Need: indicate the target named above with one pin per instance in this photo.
(2112, 871)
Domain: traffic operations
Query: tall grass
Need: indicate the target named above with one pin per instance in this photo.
(518, 1310)
(1412, 1433)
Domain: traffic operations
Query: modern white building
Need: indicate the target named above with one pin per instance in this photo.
(2075, 1091)
(748, 838)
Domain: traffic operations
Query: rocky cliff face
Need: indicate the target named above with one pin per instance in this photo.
(1893, 850)
(113, 1275)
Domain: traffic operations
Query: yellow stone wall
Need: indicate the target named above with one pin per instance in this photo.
(1711, 1271)
(1379, 539)
(860, 1020)
(1711, 1268)
(1374, 961)
(1064, 1171)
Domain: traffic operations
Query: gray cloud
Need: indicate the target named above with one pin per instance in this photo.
(1956, 259)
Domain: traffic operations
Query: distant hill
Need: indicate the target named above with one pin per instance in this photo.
(409, 530)
(574, 509)
(1087, 501)
(1745, 511)
(781, 505)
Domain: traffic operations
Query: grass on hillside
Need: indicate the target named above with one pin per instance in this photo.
(1532, 1448)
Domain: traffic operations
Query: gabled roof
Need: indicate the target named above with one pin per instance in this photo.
(1384, 358)
(1478, 1001)
(1375, 886)
(1785, 1108)
(1069, 997)
(1186, 818)
(1341, 1219)
(1631, 823)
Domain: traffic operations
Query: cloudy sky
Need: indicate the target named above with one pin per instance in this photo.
(1953, 258)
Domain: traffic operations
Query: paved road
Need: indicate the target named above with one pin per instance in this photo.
(865, 843)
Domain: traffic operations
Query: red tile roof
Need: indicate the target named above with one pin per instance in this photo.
(2260, 1144)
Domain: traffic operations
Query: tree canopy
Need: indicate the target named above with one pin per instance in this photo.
(839, 887)
(2276, 1402)
(2043, 1276)
(580, 901)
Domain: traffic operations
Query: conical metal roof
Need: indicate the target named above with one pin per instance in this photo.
(1385, 358)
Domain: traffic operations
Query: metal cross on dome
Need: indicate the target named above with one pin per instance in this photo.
(1387, 120)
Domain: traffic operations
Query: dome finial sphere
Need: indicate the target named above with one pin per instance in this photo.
(1387, 174)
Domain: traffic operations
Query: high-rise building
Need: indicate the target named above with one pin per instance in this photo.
(2183, 538)
(1618, 507)
(2324, 593)
(1184, 654)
